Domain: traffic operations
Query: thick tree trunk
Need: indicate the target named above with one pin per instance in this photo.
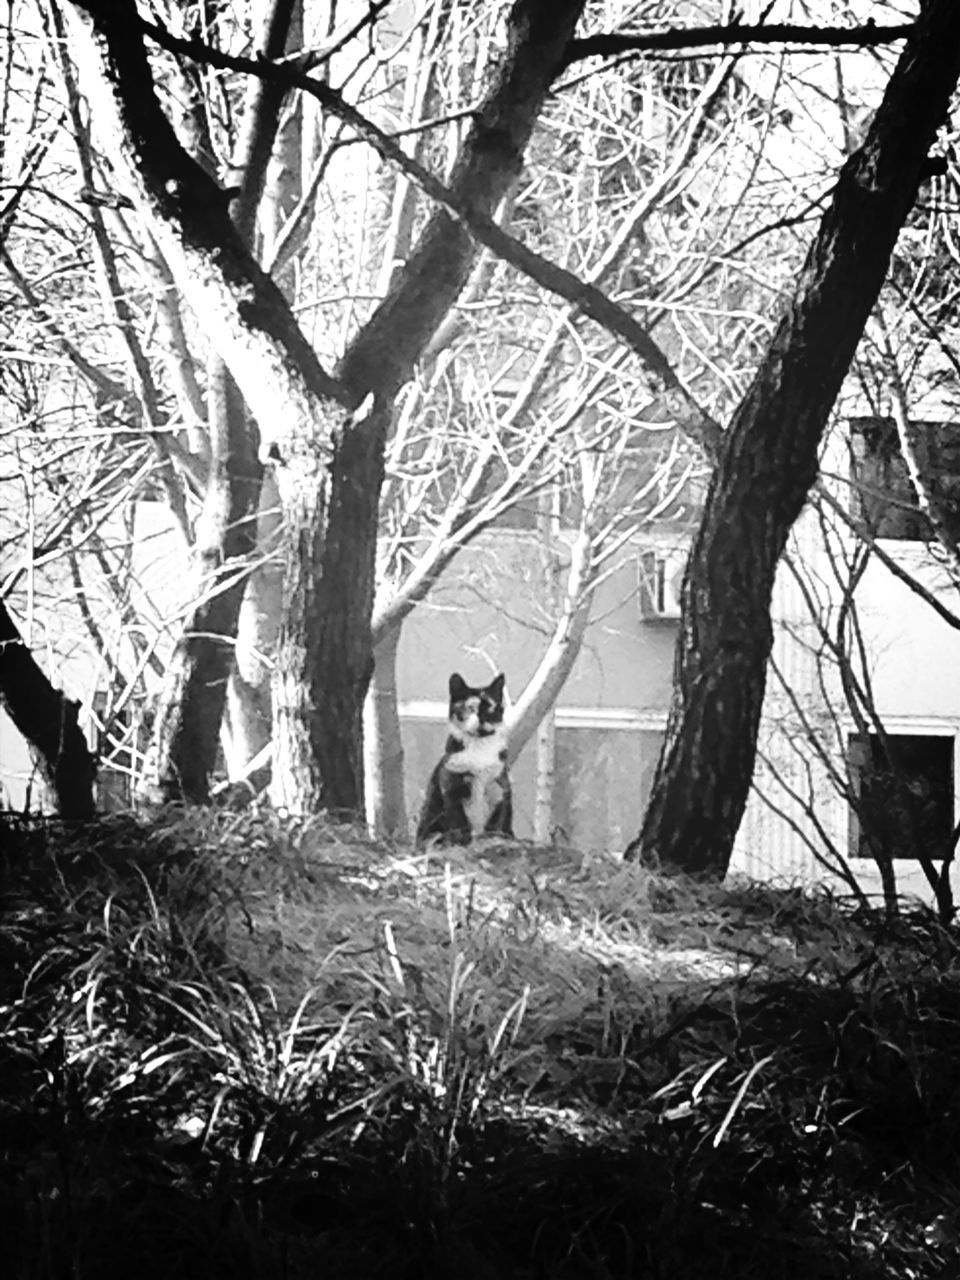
(383, 744)
(49, 722)
(324, 653)
(297, 783)
(768, 463)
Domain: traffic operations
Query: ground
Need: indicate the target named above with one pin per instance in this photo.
(234, 1046)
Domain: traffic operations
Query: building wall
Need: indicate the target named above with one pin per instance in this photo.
(490, 616)
(798, 823)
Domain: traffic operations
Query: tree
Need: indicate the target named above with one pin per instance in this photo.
(614, 185)
(328, 457)
(207, 250)
(768, 462)
(48, 721)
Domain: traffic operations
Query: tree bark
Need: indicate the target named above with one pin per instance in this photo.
(769, 460)
(297, 782)
(383, 744)
(49, 722)
(249, 692)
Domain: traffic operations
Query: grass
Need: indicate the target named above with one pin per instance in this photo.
(235, 1046)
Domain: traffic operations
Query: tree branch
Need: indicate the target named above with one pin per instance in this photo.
(245, 315)
(589, 299)
(613, 44)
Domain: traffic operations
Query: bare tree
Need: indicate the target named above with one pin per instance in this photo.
(48, 721)
(340, 433)
(768, 462)
(328, 457)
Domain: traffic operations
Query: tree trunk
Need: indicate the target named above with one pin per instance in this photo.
(249, 701)
(297, 783)
(186, 735)
(49, 722)
(768, 462)
(546, 778)
(545, 685)
(383, 744)
(324, 653)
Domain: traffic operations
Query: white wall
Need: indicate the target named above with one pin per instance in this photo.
(914, 666)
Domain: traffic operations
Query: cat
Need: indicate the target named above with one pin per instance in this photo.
(469, 791)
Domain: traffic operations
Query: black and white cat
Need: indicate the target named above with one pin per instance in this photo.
(469, 791)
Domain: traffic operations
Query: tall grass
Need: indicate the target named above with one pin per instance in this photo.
(234, 1046)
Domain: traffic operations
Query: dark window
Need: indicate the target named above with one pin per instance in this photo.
(888, 501)
(903, 795)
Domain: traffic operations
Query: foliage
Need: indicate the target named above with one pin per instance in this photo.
(232, 1045)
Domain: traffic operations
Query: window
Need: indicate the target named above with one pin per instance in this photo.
(904, 795)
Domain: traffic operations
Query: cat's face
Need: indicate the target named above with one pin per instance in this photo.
(476, 713)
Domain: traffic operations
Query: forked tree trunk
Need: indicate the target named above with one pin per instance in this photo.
(48, 721)
(769, 460)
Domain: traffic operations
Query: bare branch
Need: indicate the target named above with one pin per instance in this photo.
(589, 299)
(617, 43)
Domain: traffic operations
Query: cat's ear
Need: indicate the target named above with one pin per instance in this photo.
(458, 687)
(496, 686)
